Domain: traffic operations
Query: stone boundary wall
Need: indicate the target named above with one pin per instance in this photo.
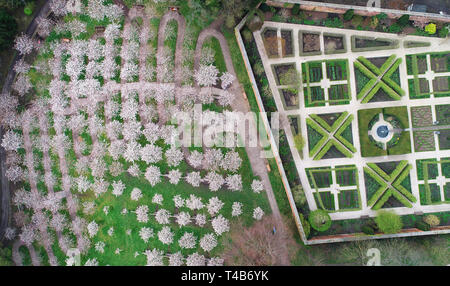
(360, 10)
(321, 239)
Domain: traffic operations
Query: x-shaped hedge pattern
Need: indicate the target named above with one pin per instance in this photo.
(331, 135)
(379, 78)
(390, 185)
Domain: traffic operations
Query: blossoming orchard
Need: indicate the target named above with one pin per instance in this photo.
(95, 161)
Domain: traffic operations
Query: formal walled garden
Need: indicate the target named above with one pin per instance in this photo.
(375, 66)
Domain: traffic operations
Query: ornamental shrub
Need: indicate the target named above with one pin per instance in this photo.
(357, 20)
(367, 229)
(28, 10)
(381, 16)
(395, 28)
(299, 142)
(388, 222)
(443, 32)
(296, 9)
(306, 225)
(320, 220)
(432, 220)
(299, 196)
(403, 21)
(430, 28)
(423, 226)
(348, 15)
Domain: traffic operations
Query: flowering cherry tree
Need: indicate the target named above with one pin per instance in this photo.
(226, 78)
(214, 205)
(153, 175)
(194, 178)
(162, 216)
(236, 209)
(200, 220)
(174, 156)
(118, 188)
(136, 194)
(157, 199)
(174, 176)
(257, 186)
(92, 228)
(188, 240)
(206, 75)
(234, 182)
(232, 161)
(195, 259)
(194, 203)
(176, 259)
(208, 242)
(214, 180)
(142, 213)
(24, 44)
(145, 233)
(165, 235)
(154, 257)
(178, 201)
(183, 218)
(151, 153)
(195, 159)
(220, 225)
(258, 213)
(12, 141)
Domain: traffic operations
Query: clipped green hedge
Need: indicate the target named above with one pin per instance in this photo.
(370, 86)
(373, 68)
(398, 170)
(423, 226)
(402, 199)
(372, 92)
(341, 129)
(382, 200)
(317, 128)
(379, 171)
(321, 122)
(319, 220)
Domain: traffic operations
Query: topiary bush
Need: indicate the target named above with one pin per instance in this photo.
(357, 20)
(432, 220)
(388, 222)
(320, 220)
(430, 28)
(28, 10)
